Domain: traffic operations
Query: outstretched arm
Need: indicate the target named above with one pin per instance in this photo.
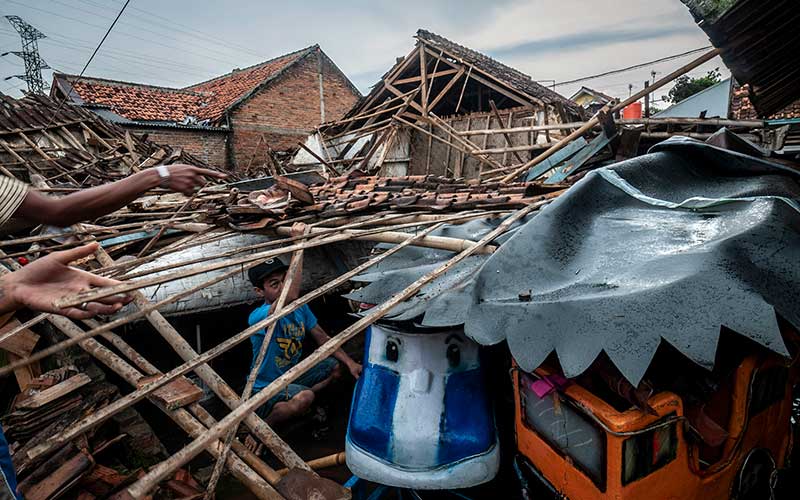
(320, 337)
(91, 203)
(37, 285)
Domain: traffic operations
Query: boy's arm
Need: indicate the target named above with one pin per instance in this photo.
(298, 229)
(320, 337)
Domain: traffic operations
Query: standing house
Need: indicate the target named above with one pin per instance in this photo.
(591, 100)
(430, 113)
(232, 120)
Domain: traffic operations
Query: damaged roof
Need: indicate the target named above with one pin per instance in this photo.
(758, 43)
(510, 76)
(205, 102)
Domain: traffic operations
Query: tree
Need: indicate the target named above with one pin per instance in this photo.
(685, 86)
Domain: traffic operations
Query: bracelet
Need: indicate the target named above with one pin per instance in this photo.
(163, 174)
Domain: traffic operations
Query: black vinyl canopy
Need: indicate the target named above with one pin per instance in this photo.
(666, 247)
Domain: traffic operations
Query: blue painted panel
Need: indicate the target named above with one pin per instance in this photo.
(574, 163)
(374, 398)
(559, 156)
(467, 428)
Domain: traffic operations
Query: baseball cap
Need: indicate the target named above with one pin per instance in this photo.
(258, 273)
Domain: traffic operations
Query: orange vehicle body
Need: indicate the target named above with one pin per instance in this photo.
(682, 477)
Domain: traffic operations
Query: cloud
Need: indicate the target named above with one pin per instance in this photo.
(588, 39)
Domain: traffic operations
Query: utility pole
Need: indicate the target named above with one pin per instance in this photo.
(29, 55)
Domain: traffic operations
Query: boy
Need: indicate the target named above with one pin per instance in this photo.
(286, 346)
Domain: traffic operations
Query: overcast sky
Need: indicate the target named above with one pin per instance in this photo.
(175, 43)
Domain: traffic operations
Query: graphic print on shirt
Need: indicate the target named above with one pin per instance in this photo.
(290, 344)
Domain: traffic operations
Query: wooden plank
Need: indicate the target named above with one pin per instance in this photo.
(431, 76)
(423, 68)
(67, 473)
(22, 342)
(24, 374)
(177, 394)
(52, 393)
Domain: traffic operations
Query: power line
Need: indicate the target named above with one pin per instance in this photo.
(173, 26)
(89, 61)
(29, 54)
(635, 66)
(148, 40)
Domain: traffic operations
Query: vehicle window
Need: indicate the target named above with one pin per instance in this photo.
(647, 452)
(769, 387)
(567, 429)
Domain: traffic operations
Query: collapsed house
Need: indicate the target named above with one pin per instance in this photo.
(453, 248)
(234, 121)
(415, 121)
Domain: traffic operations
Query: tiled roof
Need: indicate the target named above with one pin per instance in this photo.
(352, 195)
(206, 101)
(228, 89)
(742, 108)
(137, 102)
(510, 76)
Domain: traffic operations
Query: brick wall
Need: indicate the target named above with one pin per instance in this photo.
(742, 108)
(287, 110)
(206, 145)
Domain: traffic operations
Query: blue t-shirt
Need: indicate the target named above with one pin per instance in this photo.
(286, 345)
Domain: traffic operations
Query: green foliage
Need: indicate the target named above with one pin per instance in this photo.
(685, 86)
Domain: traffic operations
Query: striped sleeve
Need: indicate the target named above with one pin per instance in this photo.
(12, 193)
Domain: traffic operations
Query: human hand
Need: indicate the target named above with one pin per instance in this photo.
(186, 178)
(299, 229)
(39, 284)
(355, 369)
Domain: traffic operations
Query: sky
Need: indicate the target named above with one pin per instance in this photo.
(176, 43)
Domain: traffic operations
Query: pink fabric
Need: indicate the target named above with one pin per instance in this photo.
(548, 384)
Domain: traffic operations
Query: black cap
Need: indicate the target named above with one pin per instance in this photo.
(261, 271)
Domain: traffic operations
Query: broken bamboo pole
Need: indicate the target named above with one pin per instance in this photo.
(378, 235)
(291, 276)
(434, 242)
(259, 486)
(162, 470)
(509, 142)
(217, 384)
(132, 398)
(320, 463)
(609, 109)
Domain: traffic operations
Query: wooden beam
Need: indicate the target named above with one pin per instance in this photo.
(431, 76)
(446, 89)
(423, 68)
(505, 134)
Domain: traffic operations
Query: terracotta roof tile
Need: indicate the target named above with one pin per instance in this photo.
(204, 101)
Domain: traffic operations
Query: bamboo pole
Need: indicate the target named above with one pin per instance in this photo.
(609, 109)
(291, 276)
(132, 398)
(505, 134)
(239, 469)
(379, 235)
(716, 122)
(254, 482)
(207, 374)
(320, 463)
(162, 470)
(316, 232)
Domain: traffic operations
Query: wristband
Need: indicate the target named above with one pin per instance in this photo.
(163, 174)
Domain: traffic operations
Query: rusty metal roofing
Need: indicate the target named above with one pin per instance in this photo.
(759, 42)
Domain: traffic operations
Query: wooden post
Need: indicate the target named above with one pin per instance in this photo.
(505, 134)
